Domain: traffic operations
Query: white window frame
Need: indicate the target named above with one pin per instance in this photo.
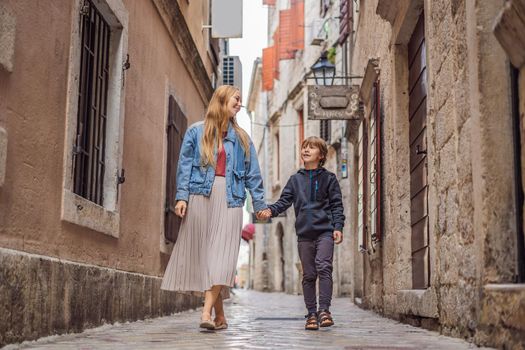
(76, 209)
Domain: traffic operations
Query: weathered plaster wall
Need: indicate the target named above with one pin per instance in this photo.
(33, 113)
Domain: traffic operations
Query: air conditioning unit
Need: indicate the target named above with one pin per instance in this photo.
(317, 32)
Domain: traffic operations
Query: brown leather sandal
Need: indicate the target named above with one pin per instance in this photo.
(220, 324)
(325, 319)
(312, 324)
(206, 322)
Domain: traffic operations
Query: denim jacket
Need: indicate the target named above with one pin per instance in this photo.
(241, 173)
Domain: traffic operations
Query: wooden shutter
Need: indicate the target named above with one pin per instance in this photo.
(268, 60)
(285, 34)
(297, 11)
(300, 135)
(517, 131)
(375, 165)
(177, 124)
(301, 127)
(345, 20)
(276, 157)
(417, 81)
(362, 170)
(325, 5)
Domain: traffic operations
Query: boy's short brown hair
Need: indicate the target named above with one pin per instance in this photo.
(318, 143)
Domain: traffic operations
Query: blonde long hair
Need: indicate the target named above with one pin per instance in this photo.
(216, 119)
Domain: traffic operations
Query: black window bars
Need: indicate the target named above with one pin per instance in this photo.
(90, 147)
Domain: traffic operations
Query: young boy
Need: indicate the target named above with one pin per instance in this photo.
(317, 200)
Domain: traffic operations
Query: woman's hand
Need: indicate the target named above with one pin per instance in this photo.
(180, 208)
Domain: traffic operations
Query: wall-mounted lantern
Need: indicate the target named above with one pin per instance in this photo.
(324, 71)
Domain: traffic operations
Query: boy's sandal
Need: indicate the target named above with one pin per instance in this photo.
(325, 319)
(312, 324)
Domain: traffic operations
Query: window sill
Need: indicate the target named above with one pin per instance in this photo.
(82, 212)
(417, 302)
(517, 288)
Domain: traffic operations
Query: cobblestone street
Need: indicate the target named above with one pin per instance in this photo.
(257, 321)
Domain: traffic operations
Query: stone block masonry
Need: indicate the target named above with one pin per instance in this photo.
(41, 296)
(259, 321)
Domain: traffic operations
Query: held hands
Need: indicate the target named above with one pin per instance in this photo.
(338, 237)
(180, 211)
(180, 208)
(264, 214)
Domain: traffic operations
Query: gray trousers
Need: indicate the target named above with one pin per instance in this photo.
(316, 258)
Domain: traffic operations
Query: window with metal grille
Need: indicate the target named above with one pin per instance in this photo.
(89, 152)
(325, 130)
(175, 130)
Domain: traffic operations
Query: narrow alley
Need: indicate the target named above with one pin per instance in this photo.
(257, 321)
(372, 151)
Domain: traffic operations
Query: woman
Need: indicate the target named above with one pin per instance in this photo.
(217, 163)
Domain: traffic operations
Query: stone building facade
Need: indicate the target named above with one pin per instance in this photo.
(434, 193)
(94, 99)
(256, 106)
(280, 123)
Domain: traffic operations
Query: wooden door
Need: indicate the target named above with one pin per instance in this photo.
(417, 79)
(517, 131)
(362, 173)
(177, 124)
(374, 132)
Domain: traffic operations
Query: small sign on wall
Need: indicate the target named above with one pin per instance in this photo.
(226, 19)
(339, 102)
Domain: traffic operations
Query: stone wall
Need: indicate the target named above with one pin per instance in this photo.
(66, 275)
(451, 124)
(472, 235)
(41, 296)
(471, 200)
(33, 112)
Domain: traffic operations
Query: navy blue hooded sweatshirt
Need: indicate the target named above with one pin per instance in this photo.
(317, 200)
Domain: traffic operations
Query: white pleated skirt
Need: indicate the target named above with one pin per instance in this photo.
(207, 247)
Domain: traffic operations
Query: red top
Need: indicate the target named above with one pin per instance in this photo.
(220, 170)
